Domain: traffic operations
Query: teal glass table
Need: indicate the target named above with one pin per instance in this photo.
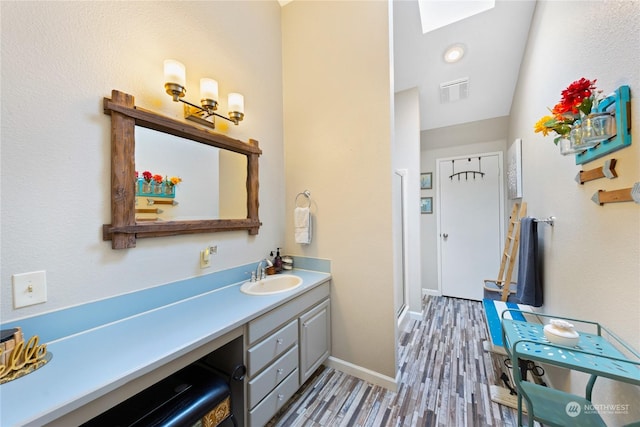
(599, 353)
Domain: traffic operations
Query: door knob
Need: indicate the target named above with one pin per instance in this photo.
(445, 235)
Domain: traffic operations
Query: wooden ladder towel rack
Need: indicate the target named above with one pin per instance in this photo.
(509, 255)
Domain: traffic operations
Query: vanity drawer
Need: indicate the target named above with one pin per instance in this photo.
(263, 353)
(264, 324)
(262, 413)
(261, 385)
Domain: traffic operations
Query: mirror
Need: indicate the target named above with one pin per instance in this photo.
(201, 169)
(222, 196)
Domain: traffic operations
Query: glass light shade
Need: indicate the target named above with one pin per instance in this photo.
(174, 72)
(209, 89)
(236, 103)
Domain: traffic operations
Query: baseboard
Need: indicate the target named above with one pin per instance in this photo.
(364, 374)
(415, 315)
(432, 292)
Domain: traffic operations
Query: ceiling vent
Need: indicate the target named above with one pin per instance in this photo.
(454, 90)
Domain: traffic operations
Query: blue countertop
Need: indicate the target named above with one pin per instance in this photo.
(91, 363)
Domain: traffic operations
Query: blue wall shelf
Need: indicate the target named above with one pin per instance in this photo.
(162, 193)
(621, 101)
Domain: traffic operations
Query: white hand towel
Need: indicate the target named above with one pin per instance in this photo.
(302, 223)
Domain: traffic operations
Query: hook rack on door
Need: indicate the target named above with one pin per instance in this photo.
(467, 172)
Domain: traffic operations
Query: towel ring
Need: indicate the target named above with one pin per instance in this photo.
(306, 194)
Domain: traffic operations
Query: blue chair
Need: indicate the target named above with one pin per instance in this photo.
(599, 353)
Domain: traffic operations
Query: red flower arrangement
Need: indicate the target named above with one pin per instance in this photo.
(579, 97)
(158, 179)
(146, 175)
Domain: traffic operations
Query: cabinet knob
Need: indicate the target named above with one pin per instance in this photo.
(279, 340)
(280, 371)
(280, 396)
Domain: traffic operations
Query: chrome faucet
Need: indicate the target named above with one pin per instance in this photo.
(261, 272)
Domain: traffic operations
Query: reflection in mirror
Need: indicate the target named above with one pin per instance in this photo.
(213, 181)
(125, 227)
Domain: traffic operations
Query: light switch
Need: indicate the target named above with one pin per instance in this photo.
(205, 258)
(29, 288)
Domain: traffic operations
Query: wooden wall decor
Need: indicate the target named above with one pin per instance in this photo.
(124, 230)
(623, 195)
(606, 171)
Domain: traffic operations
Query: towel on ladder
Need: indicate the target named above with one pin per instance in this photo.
(302, 223)
(529, 281)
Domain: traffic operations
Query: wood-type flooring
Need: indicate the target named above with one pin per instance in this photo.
(445, 379)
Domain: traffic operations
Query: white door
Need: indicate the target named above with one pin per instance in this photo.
(470, 223)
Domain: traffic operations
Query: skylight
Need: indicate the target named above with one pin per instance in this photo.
(436, 14)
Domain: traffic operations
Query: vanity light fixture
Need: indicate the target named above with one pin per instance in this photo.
(454, 53)
(175, 82)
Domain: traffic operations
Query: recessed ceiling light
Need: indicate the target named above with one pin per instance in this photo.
(454, 53)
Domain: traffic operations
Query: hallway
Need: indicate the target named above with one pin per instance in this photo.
(446, 376)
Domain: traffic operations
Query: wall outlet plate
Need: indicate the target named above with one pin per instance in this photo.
(29, 288)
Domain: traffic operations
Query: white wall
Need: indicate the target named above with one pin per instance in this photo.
(406, 155)
(592, 254)
(338, 98)
(483, 136)
(59, 59)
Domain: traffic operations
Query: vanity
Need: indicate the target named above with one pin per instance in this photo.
(281, 338)
(102, 353)
(284, 347)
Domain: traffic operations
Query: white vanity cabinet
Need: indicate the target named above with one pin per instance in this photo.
(315, 339)
(284, 347)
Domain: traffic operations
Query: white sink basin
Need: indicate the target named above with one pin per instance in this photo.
(271, 285)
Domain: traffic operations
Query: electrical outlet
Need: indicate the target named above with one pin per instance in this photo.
(29, 288)
(205, 258)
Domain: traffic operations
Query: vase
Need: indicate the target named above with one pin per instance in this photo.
(157, 188)
(146, 187)
(169, 189)
(598, 127)
(565, 147)
(576, 138)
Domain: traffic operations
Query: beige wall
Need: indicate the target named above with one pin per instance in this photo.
(337, 98)
(59, 59)
(592, 254)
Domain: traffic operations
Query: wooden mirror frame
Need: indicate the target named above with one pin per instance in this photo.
(123, 230)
